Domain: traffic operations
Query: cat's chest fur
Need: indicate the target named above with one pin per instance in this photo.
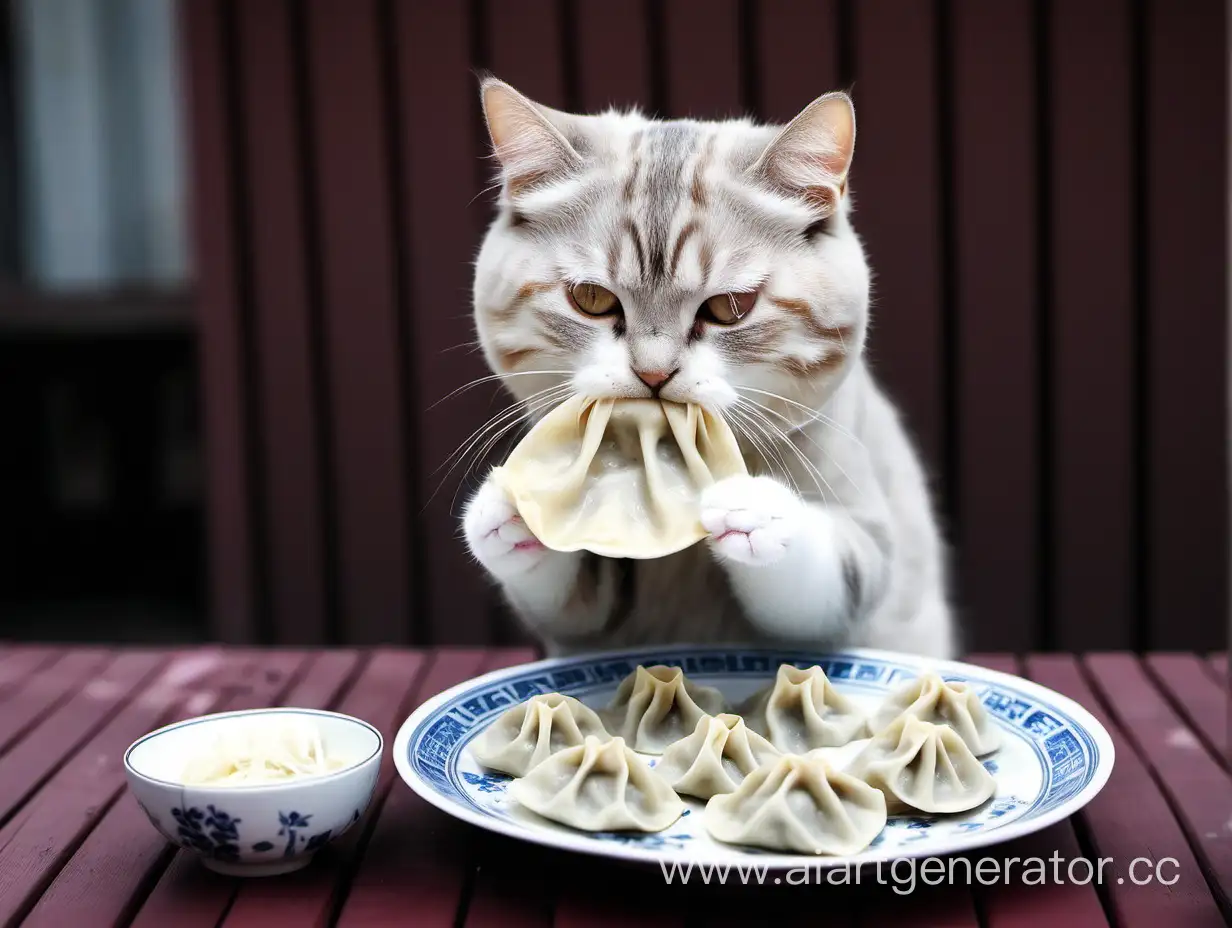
(682, 598)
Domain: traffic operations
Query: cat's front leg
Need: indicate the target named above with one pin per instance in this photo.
(543, 586)
(802, 571)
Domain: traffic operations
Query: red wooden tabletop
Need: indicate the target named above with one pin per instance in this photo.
(76, 850)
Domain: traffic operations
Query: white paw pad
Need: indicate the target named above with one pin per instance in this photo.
(751, 520)
(496, 534)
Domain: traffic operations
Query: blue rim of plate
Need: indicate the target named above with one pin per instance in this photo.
(1074, 749)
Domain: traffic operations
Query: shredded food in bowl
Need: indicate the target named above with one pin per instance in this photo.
(251, 752)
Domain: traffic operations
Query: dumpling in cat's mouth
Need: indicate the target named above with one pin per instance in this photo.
(620, 478)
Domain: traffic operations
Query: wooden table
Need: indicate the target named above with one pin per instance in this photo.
(75, 850)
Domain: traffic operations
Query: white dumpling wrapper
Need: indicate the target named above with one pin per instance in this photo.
(656, 706)
(619, 478)
(922, 766)
(599, 786)
(716, 758)
(802, 711)
(534, 730)
(799, 803)
(952, 703)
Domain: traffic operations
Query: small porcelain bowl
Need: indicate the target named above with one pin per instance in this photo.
(258, 830)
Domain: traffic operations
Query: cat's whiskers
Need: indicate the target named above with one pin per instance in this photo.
(531, 408)
(813, 471)
(741, 427)
(749, 420)
(831, 457)
(469, 442)
(479, 381)
(815, 415)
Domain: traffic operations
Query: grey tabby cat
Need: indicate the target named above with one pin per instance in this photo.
(712, 263)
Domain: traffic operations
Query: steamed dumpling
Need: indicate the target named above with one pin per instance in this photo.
(799, 803)
(918, 765)
(942, 702)
(599, 786)
(802, 711)
(656, 706)
(534, 730)
(716, 758)
(619, 478)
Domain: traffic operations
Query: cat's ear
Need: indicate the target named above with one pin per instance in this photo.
(811, 156)
(529, 146)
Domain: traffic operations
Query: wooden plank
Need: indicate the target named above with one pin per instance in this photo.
(1092, 207)
(1130, 819)
(603, 25)
(704, 68)
(925, 907)
(323, 684)
(1199, 789)
(505, 892)
(1017, 903)
(1014, 902)
(438, 186)
(797, 56)
(32, 759)
(107, 878)
(415, 849)
(187, 893)
(1184, 225)
(1201, 701)
(362, 332)
(233, 596)
(1219, 664)
(308, 897)
(50, 687)
(898, 213)
(18, 664)
(287, 401)
(37, 842)
(996, 286)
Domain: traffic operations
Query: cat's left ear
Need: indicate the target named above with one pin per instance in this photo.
(525, 138)
(811, 157)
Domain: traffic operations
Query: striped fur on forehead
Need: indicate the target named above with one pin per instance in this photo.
(663, 177)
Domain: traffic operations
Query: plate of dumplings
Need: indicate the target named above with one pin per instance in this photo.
(713, 754)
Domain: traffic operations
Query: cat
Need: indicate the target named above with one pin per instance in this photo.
(712, 263)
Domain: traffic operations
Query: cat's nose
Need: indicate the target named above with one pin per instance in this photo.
(654, 379)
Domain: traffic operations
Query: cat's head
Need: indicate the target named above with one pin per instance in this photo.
(700, 261)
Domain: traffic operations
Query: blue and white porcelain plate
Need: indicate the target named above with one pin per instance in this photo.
(1054, 759)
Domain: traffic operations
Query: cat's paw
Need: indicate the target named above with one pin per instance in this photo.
(497, 536)
(751, 520)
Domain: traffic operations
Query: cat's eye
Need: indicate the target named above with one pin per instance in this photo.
(593, 300)
(727, 308)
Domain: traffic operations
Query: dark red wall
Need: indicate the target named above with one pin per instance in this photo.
(1042, 190)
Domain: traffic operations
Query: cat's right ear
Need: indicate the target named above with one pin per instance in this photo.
(530, 149)
(811, 157)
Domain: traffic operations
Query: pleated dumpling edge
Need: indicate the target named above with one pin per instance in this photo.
(619, 478)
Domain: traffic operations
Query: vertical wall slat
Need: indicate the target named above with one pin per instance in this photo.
(604, 25)
(997, 280)
(354, 204)
(702, 46)
(233, 608)
(524, 41)
(1093, 212)
(438, 150)
(1186, 172)
(797, 55)
(290, 487)
(896, 186)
